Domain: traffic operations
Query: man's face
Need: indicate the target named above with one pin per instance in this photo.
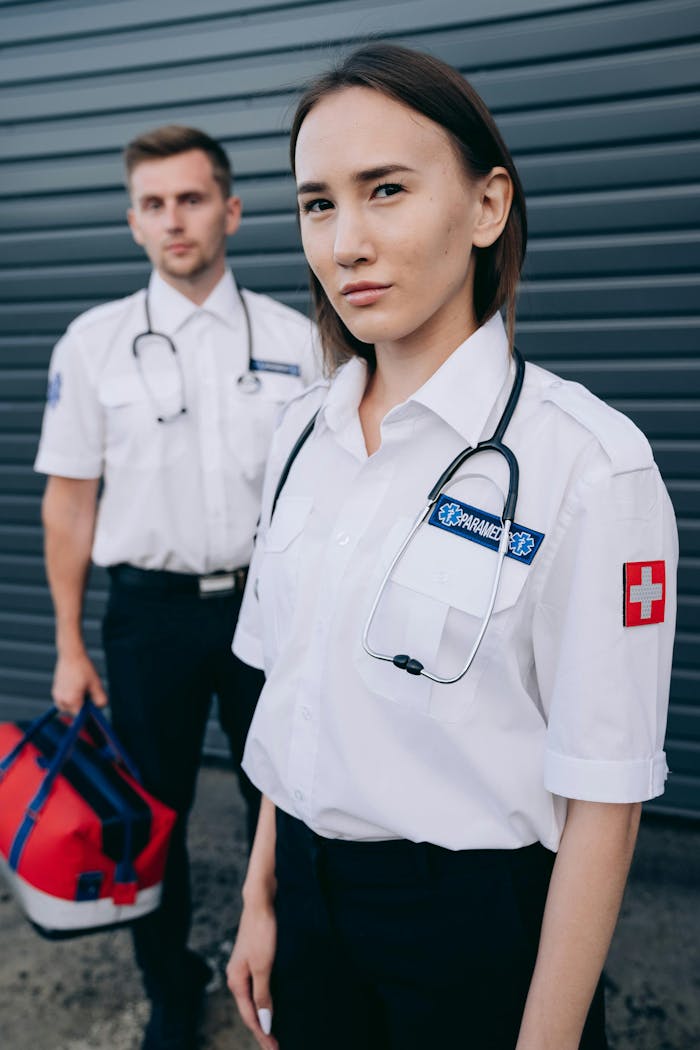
(180, 216)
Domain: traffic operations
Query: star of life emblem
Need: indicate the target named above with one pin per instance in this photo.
(520, 544)
(450, 513)
(644, 585)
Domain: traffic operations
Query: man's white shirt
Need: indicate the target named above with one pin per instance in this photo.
(182, 495)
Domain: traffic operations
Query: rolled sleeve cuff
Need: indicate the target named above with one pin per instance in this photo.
(65, 467)
(605, 781)
(248, 648)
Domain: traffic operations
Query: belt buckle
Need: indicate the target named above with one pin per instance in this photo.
(217, 584)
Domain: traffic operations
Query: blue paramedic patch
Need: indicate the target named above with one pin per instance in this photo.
(53, 390)
(477, 525)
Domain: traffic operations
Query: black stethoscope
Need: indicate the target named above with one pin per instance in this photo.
(403, 661)
(248, 382)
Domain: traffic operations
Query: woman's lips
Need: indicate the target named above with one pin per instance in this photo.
(364, 294)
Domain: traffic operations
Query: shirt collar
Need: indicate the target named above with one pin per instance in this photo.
(464, 390)
(170, 309)
(342, 402)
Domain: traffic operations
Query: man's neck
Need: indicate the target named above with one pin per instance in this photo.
(198, 288)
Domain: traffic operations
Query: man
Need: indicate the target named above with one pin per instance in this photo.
(170, 397)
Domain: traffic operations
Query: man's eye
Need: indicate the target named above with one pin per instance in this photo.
(319, 204)
(152, 205)
(388, 189)
(194, 200)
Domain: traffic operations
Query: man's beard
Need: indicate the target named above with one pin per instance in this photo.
(189, 269)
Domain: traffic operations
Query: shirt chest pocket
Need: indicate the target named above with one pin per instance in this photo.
(432, 610)
(133, 436)
(252, 416)
(279, 572)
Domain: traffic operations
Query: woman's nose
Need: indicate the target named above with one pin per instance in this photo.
(352, 242)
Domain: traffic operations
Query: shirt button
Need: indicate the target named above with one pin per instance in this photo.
(342, 539)
(299, 795)
(306, 712)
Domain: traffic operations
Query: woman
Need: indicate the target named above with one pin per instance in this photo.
(440, 861)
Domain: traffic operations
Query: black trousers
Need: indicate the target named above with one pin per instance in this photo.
(405, 946)
(167, 655)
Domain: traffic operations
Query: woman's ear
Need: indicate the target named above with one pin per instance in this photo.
(496, 197)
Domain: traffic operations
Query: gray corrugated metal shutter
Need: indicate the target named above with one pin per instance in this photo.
(599, 102)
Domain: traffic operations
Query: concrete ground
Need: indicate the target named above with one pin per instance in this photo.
(85, 994)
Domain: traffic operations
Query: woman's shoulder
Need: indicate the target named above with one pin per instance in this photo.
(298, 410)
(293, 418)
(575, 408)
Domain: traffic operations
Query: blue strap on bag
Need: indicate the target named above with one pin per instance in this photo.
(55, 766)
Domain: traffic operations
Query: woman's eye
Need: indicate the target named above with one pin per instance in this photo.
(319, 204)
(388, 189)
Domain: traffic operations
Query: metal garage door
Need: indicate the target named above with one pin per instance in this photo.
(599, 102)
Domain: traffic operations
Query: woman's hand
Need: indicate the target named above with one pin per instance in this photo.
(249, 968)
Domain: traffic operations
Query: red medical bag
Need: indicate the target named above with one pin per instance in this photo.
(82, 844)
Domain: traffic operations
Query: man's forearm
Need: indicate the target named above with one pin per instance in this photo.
(583, 903)
(68, 513)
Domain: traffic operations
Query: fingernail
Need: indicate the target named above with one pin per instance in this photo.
(265, 1019)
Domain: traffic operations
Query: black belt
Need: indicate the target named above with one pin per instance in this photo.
(211, 585)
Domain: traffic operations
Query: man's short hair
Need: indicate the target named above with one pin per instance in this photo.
(172, 139)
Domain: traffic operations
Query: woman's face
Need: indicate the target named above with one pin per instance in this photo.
(388, 219)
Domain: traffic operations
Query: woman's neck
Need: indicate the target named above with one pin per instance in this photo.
(402, 368)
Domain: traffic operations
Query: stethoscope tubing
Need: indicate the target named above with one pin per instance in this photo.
(493, 444)
(248, 382)
(402, 661)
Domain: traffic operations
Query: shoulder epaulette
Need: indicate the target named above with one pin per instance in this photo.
(623, 442)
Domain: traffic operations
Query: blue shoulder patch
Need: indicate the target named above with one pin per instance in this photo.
(53, 389)
(481, 527)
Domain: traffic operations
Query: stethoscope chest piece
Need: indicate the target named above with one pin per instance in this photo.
(248, 383)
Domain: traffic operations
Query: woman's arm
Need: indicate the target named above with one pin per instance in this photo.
(250, 965)
(583, 902)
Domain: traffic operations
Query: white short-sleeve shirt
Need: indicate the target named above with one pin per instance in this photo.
(182, 495)
(567, 695)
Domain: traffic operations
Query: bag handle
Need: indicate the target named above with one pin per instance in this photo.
(114, 747)
(111, 740)
(10, 758)
(35, 807)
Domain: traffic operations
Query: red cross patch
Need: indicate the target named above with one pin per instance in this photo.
(644, 585)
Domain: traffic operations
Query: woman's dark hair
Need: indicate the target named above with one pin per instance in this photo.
(439, 92)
